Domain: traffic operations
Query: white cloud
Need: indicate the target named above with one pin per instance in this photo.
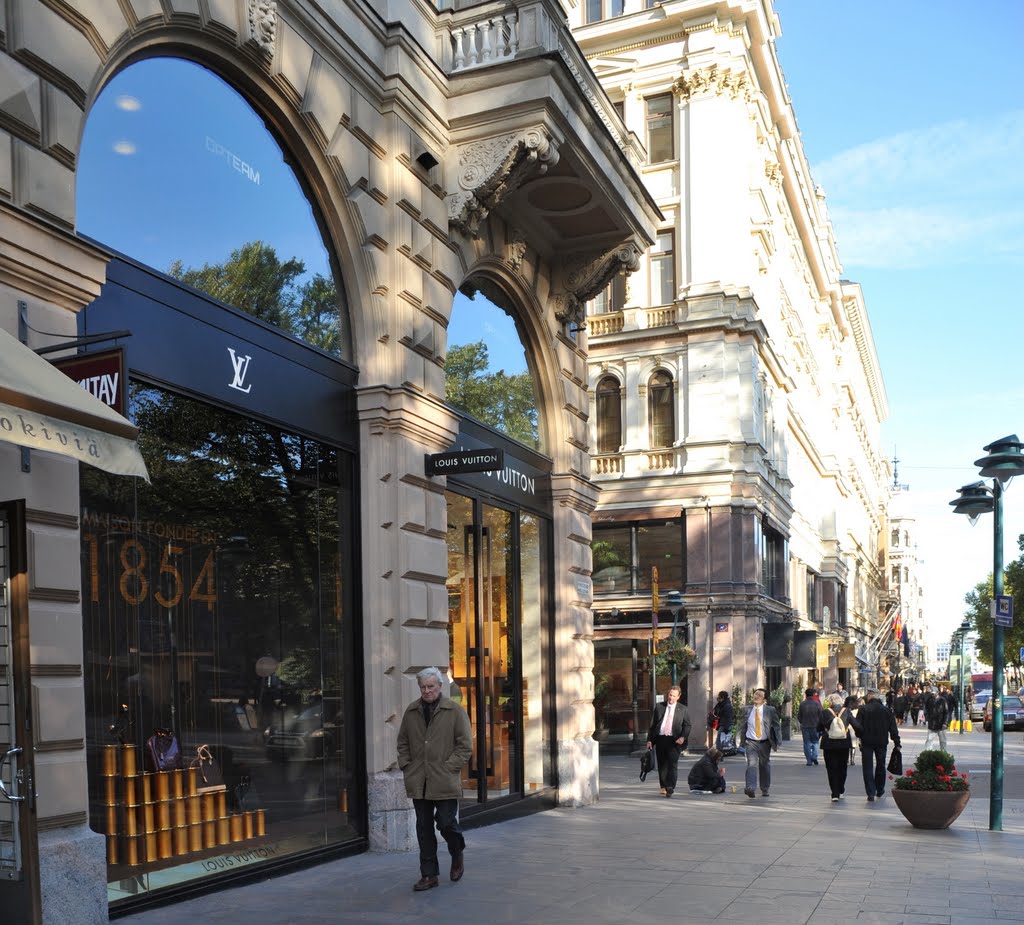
(125, 147)
(128, 103)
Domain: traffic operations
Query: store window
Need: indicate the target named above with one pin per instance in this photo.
(609, 415)
(177, 171)
(774, 564)
(624, 557)
(662, 263)
(220, 707)
(660, 135)
(661, 410)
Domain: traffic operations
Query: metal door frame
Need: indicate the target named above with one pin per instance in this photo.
(19, 848)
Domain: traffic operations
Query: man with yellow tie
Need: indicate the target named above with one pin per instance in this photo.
(760, 732)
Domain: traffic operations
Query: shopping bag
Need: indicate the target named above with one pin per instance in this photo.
(895, 765)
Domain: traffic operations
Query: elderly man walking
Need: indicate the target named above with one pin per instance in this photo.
(874, 726)
(435, 740)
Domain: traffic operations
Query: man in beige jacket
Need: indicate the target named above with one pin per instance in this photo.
(435, 740)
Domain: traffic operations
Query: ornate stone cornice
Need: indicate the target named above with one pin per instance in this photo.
(713, 80)
(587, 274)
(263, 25)
(482, 185)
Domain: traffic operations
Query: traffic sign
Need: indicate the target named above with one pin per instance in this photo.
(1002, 610)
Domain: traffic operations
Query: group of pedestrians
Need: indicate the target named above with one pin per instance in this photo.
(918, 704)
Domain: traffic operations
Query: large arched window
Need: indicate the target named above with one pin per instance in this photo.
(661, 409)
(176, 170)
(609, 415)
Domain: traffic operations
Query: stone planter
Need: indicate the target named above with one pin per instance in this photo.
(931, 809)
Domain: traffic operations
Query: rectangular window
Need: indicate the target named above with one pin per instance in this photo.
(813, 612)
(613, 559)
(661, 545)
(603, 9)
(663, 277)
(660, 135)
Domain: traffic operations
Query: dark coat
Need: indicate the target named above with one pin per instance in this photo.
(704, 776)
(808, 714)
(680, 723)
(938, 713)
(431, 757)
(725, 713)
(875, 724)
(829, 744)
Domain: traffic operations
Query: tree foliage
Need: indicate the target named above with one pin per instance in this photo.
(979, 613)
(504, 401)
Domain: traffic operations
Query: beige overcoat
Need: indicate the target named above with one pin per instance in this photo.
(431, 757)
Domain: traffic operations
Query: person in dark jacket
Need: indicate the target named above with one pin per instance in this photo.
(809, 718)
(874, 726)
(706, 776)
(836, 751)
(937, 719)
(435, 739)
(725, 715)
(669, 732)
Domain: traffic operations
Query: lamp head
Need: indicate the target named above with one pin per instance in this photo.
(975, 499)
(1005, 459)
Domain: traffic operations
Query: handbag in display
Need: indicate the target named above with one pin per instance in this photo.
(162, 751)
(646, 763)
(895, 766)
(210, 775)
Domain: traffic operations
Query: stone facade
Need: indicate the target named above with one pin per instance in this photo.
(426, 162)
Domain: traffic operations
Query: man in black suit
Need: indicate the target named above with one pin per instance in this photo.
(669, 732)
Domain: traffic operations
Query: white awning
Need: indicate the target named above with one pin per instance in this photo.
(43, 409)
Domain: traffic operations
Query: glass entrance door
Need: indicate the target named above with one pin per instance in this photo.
(483, 621)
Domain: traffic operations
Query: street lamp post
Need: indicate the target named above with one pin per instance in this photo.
(1005, 460)
(674, 602)
(965, 628)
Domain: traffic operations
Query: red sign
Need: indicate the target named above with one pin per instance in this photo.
(100, 374)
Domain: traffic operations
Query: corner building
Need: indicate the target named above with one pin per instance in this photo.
(272, 590)
(736, 396)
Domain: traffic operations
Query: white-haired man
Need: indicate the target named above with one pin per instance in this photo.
(435, 740)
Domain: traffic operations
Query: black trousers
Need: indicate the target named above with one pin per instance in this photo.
(668, 761)
(446, 814)
(836, 764)
(872, 760)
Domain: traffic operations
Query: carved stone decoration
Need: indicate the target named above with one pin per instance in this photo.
(515, 248)
(587, 274)
(773, 171)
(263, 24)
(712, 80)
(482, 185)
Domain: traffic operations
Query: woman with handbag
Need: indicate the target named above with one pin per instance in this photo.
(835, 744)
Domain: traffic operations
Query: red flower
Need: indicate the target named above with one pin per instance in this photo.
(910, 772)
(939, 767)
(890, 777)
(964, 775)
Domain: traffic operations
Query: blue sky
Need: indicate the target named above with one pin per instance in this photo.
(911, 117)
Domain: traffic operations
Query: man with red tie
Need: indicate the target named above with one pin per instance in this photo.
(669, 732)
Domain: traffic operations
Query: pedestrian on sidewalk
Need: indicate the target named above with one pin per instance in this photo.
(809, 717)
(669, 732)
(726, 715)
(706, 776)
(760, 733)
(834, 728)
(874, 726)
(937, 720)
(852, 703)
(435, 740)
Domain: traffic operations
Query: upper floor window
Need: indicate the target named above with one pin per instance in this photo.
(661, 404)
(609, 415)
(774, 562)
(625, 557)
(660, 136)
(603, 9)
(610, 299)
(895, 537)
(663, 277)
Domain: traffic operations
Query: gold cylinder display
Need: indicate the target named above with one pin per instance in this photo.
(194, 809)
(178, 784)
(178, 809)
(110, 820)
(223, 830)
(132, 790)
(181, 839)
(191, 782)
(146, 783)
(112, 852)
(210, 833)
(109, 790)
(250, 824)
(152, 847)
(209, 806)
(129, 766)
(165, 843)
(163, 814)
(261, 822)
(108, 762)
(237, 825)
(163, 785)
(195, 837)
(149, 817)
(222, 802)
(132, 846)
(131, 820)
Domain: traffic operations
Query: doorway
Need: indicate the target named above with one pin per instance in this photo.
(496, 645)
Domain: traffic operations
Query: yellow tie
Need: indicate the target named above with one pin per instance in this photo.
(757, 723)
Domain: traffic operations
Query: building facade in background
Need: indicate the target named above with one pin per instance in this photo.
(735, 392)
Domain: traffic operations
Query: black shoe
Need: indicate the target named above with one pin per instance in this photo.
(871, 799)
(458, 868)
(749, 791)
(815, 760)
(424, 883)
(668, 793)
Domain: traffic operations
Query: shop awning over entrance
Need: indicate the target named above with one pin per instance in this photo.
(43, 409)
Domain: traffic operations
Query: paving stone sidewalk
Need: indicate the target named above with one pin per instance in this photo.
(638, 858)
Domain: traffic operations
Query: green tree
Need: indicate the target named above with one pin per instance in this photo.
(504, 401)
(979, 613)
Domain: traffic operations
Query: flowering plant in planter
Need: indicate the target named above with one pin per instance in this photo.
(934, 771)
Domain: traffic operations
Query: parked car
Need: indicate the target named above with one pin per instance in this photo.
(1013, 714)
(978, 707)
(314, 732)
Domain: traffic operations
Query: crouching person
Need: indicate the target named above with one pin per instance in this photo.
(706, 776)
(434, 741)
